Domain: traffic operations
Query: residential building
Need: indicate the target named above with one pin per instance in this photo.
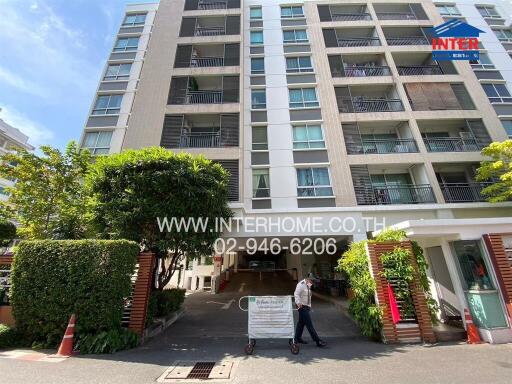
(10, 139)
(327, 110)
(494, 69)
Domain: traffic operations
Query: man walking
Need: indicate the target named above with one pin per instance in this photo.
(303, 301)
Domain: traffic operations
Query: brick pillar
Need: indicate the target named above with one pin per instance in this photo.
(141, 291)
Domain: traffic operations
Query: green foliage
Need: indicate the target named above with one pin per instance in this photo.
(7, 232)
(498, 170)
(363, 308)
(7, 337)
(48, 199)
(53, 279)
(133, 189)
(107, 341)
(163, 303)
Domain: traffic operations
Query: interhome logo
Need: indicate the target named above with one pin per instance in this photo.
(455, 40)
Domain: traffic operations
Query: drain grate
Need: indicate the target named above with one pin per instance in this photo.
(201, 370)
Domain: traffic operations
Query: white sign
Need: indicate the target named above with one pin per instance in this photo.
(270, 317)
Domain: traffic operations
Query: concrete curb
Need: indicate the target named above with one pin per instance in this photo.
(161, 325)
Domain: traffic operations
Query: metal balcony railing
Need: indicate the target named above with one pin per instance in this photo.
(420, 107)
(362, 71)
(359, 42)
(404, 194)
(419, 70)
(203, 97)
(396, 16)
(205, 61)
(362, 105)
(380, 146)
(200, 140)
(212, 5)
(350, 16)
(407, 40)
(209, 31)
(463, 192)
(452, 144)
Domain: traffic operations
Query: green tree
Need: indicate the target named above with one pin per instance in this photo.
(498, 170)
(48, 199)
(133, 190)
(7, 232)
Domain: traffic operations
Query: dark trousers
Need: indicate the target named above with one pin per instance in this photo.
(305, 320)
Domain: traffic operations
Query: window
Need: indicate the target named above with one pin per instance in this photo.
(295, 36)
(257, 65)
(313, 182)
(448, 10)
(108, 105)
(256, 37)
(487, 11)
(303, 98)
(497, 93)
(132, 20)
(126, 44)
(308, 137)
(291, 12)
(259, 139)
(299, 64)
(118, 72)
(260, 183)
(503, 34)
(258, 99)
(98, 142)
(507, 125)
(255, 13)
(482, 63)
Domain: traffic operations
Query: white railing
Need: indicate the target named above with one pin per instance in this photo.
(200, 140)
(205, 61)
(209, 31)
(203, 97)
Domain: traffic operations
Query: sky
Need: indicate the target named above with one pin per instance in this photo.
(52, 53)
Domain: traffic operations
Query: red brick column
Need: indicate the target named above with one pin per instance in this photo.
(141, 291)
(502, 267)
(6, 259)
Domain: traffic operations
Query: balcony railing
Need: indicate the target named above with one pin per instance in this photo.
(209, 31)
(359, 42)
(204, 97)
(419, 70)
(362, 71)
(452, 144)
(212, 5)
(396, 16)
(200, 140)
(380, 146)
(407, 40)
(421, 107)
(205, 61)
(350, 16)
(404, 194)
(463, 192)
(362, 105)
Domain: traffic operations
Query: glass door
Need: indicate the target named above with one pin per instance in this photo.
(478, 285)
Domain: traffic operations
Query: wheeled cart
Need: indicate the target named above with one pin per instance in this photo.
(269, 317)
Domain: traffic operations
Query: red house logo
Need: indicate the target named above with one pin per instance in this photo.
(455, 40)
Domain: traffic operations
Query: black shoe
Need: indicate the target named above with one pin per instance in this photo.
(300, 341)
(321, 344)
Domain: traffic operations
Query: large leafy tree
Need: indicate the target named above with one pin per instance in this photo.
(498, 170)
(135, 189)
(48, 199)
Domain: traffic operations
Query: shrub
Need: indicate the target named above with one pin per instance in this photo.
(107, 341)
(53, 279)
(8, 337)
(162, 303)
(7, 232)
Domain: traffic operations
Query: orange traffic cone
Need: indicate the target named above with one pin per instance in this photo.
(473, 335)
(66, 346)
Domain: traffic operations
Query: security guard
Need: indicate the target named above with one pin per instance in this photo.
(303, 301)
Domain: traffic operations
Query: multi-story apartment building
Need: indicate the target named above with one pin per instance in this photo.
(494, 69)
(327, 110)
(10, 139)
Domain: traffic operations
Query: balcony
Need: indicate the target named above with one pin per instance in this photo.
(206, 5)
(454, 135)
(351, 37)
(419, 70)
(203, 97)
(421, 64)
(210, 26)
(343, 12)
(364, 99)
(464, 192)
(210, 31)
(438, 97)
(204, 90)
(401, 36)
(400, 12)
(200, 140)
(358, 65)
(207, 55)
(387, 195)
(379, 137)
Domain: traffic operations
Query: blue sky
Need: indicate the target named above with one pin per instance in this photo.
(52, 53)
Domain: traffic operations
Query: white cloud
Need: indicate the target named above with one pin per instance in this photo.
(15, 81)
(37, 133)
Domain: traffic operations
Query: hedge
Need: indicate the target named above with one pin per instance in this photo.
(163, 303)
(52, 279)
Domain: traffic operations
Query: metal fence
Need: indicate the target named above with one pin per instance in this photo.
(209, 31)
(463, 192)
(452, 144)
(350, 16)
(362, 71)
(407, 40)
(380, 146)
(196, 62)
(396, 16)
(204, 97)
(212, 5)
(347, 105)
(359, 42)
(419, 70)
(404, 194)
(200, 140)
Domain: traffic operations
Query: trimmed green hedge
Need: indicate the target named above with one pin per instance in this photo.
(162, 303)
(53, 279)
(7, 232)
(7, 337)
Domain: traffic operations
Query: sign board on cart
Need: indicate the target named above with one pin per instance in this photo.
(270, 317)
